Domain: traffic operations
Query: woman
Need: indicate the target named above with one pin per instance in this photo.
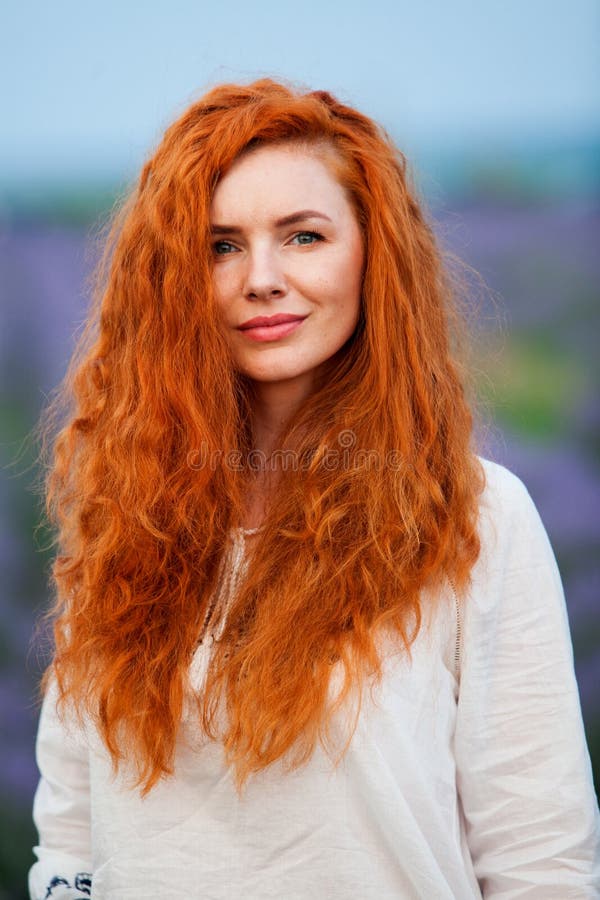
(307, 643)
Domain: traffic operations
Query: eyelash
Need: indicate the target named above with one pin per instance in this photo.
(218, 244)
(315, 234)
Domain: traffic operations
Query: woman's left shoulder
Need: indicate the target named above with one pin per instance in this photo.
(523, 770)
(510, 526)
(503, 491)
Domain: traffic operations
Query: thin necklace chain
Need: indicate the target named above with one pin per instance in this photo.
(232, 568)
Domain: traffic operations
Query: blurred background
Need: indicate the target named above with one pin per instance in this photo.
(496, 106)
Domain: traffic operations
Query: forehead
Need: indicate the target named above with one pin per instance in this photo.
(279, 180)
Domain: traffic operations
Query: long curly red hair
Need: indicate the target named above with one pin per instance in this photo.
(346, 549)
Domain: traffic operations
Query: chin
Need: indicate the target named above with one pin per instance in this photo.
(277, 377)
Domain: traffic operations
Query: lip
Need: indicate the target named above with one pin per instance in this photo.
(270, 321)
(271, 328)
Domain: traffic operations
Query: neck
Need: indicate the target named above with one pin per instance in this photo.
(274, 404)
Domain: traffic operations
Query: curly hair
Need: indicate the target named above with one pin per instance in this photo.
(345, 551)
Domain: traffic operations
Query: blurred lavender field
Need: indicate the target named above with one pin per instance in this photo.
(539, 373)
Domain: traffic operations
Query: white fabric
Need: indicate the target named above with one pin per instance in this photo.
(446, 791)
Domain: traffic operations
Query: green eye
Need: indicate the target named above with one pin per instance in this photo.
(307, 237)
(223, 247)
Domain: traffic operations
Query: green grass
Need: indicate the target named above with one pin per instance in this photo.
(530, 385)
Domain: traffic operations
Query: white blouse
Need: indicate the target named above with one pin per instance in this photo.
(468, 775)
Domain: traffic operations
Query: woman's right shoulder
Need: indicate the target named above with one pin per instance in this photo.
(59, 723)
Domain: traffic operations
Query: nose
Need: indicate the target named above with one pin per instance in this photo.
(264, 278)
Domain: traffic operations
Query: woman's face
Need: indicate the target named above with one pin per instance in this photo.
(288, 263)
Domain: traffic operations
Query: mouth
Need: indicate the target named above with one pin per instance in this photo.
(271, 328)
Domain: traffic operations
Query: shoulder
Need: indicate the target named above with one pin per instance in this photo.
(510, 528)
(503, 489)
(505, 500)
(515, 588)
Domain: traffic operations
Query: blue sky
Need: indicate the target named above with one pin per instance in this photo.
(92, 87)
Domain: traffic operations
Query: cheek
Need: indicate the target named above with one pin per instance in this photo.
(342, 311)
(223, 288)
(348, 287)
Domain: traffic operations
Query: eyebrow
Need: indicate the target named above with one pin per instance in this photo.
(292, 219)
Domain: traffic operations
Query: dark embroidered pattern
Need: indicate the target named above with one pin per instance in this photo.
(56, 882)
(82, 883)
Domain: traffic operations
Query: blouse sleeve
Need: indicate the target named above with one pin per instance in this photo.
(61, 810)
(523, 769)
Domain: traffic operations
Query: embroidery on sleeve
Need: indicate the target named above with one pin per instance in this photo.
(82, 883)
(55, 882)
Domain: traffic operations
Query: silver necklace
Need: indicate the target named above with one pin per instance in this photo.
(233, 567)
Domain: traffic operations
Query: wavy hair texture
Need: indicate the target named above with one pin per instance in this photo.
(344, 552)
